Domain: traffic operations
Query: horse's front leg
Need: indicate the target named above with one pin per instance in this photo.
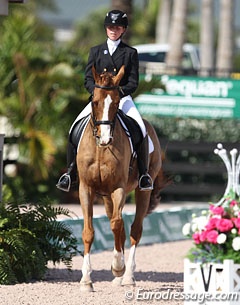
(117, 226)
(86, 200)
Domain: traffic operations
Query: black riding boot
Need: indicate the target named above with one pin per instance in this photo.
(69, 179)
(145, 181)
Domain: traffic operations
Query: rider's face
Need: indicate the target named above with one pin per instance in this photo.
(114, 31)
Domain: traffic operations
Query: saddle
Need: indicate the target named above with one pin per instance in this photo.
(77, 131)
(129, 125)
(133, 129)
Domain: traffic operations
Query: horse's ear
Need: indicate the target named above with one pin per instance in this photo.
(119, 76)
(95, 75)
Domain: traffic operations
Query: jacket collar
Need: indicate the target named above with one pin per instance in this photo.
(118, 53)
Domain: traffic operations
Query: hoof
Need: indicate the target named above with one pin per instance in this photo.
(128, 281)
(87, 287)
(117, 281)
(118, 273)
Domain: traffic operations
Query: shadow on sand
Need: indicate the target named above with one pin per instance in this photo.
(64, 275)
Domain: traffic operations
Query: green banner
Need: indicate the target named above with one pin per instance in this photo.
(158, 227)
(192, 97)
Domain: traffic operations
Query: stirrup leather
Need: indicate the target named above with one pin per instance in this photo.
(58, 185)
(148, 187)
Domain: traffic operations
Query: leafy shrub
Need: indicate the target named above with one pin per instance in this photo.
(207, 130)
(30, 236)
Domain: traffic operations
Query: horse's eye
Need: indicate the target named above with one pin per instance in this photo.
(95, 103)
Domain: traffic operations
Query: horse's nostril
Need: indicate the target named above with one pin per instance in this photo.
(105, 142)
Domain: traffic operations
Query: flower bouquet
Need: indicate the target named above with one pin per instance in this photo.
(216, 232)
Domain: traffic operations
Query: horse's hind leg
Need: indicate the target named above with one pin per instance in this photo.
(86, 200)
(142, 201)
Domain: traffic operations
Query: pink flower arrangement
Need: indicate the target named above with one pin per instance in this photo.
(216, 233)
(216, 210)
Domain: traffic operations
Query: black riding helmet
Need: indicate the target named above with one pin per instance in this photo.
(116, 17)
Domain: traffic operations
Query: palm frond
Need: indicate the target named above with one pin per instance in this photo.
(7, 275)
(30, 236)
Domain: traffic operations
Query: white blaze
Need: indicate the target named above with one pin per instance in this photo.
(106, 129)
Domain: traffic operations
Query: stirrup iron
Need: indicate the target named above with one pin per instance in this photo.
(58, 185)
(147, 188)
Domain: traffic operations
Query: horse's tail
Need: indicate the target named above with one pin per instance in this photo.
(161, 181)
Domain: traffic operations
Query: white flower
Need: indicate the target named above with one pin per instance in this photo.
(234, 231)
(186, 229)
(194, 227)
(236, 243)
(221, 238)
(200, 222)
(235, 210)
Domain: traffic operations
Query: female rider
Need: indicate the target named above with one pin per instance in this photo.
(110, 56)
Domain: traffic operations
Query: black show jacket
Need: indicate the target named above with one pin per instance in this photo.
(100, 58)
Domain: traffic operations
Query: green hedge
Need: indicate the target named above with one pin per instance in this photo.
(218, 130)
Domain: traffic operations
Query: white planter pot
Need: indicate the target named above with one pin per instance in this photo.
(217, 284)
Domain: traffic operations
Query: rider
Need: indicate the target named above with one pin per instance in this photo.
(110, 56)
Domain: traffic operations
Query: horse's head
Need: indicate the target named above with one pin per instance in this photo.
(105, 104)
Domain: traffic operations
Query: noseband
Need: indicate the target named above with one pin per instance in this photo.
(106, 87)
(106, 122)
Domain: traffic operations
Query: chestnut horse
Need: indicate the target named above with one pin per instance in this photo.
(103, 160)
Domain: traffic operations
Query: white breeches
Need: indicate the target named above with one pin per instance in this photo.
(126, 105)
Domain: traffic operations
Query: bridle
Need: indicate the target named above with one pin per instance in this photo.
(106, 87)
(103, 122)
